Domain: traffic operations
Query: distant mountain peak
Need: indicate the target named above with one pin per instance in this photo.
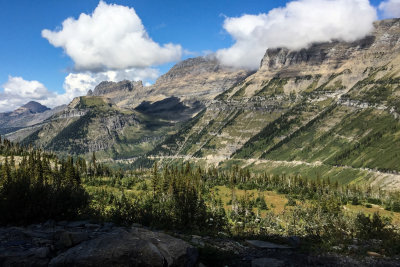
(31, 107)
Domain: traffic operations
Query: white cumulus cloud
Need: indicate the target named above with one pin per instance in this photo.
(297, 25)
(390, 8)
(18, 92)
(112, 37)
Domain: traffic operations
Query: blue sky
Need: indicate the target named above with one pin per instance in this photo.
(197, 27)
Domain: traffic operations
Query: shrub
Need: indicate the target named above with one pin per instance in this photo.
(291, 201)
(355, 201)
(371, 228)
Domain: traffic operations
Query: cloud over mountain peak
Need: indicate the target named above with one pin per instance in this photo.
(297, 25)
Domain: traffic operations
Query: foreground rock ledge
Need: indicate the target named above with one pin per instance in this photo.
(92, 245)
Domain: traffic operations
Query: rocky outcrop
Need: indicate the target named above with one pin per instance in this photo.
(106, 87)
(201, 78)
(119, 92)
(85, 244)
(191, 66)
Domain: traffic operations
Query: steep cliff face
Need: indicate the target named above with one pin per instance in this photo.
(120, 93)
(200, 78)
(332, 56)
(330, 108)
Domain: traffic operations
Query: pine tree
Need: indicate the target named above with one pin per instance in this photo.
(94, 163)
(70, 171)
(6, 171)
(155, 178)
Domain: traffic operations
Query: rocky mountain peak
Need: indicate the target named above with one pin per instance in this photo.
(191, 66)
(200, 77)
(107, 87)
(32, 107)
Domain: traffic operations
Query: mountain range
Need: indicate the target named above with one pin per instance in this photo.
(329, 110)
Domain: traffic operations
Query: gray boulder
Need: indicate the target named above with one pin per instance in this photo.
(69, 239)
(137, 247)
(22, 256)
(267, 262)
(266, 245)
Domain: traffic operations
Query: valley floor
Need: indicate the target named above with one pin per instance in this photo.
(344, 174)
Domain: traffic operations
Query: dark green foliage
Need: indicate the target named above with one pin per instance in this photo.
(375, 201)
(393, 205)
(355, 201)
(371, 228)
(142, 162)
(34, 190)
(378, 93)
(175, 201)
(302, 78)
(291, 201)
(396, 206)
(260, 202)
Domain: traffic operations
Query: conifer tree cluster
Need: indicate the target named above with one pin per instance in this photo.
(176, 199)
(37, 186)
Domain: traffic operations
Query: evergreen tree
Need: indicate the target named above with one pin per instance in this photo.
(94, 164)
(6, 171)
(155, 178)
